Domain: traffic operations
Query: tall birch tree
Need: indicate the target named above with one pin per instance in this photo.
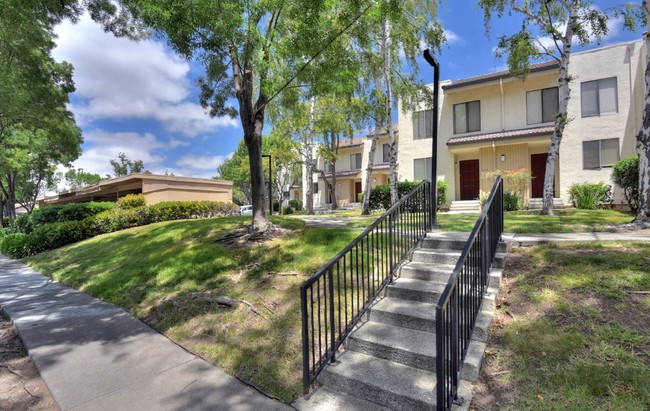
(643, 137)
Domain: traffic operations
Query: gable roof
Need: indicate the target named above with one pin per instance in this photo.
(484, 78)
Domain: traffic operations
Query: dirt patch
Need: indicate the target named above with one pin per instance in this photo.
(243, 235)
(21, 387)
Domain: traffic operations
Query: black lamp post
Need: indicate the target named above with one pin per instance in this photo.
(428, 56)
(270, 191)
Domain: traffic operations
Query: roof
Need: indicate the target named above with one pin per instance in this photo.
(502, 135)
(357, 141)
(483, 78)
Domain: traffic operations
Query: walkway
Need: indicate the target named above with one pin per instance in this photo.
(96, 356)
(530, 239)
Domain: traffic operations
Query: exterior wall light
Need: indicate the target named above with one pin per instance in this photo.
(503, 158)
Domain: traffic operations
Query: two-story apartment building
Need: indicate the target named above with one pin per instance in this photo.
(350, 169)
(497, 122)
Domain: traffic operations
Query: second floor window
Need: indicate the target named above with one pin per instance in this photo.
(422, 124)
(355, 161)
(541, 105)
(386, 153)
(467, 117)
(599, 97)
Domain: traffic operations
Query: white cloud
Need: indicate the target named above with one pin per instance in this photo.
(105, 146)
(614, 27)
(200, 166)
(117, 78)
(452, 37)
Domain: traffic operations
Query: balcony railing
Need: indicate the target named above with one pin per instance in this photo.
(336, 297)
(460, 302)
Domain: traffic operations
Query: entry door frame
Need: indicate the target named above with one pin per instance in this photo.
(470, 180)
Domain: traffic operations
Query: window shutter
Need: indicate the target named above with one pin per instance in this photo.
(607, 95)
(589, 98)
(591, 154)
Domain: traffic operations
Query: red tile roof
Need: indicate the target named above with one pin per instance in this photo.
(502, 135)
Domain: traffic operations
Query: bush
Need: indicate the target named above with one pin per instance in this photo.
(131, 201)
(59, 214)
(625, 174)
(19, 245)
(287, 210)
(59, 234)
(590, 196)
(23, 224)
(512, 201)
(380, 195)
(296, 204)
(482, 199)
(442, 188)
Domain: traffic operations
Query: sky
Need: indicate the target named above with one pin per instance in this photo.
(140, 98)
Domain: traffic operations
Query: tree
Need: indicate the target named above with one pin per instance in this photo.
(123, 166)
(643, 137)
(236, 169)
(77, 178)
(564, 21)
(285, 161)
(248, 48)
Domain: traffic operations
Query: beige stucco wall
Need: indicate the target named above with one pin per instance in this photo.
(626, 62)
(156, 191)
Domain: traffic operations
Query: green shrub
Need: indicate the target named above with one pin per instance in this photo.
(287, 210)
(59, 234)
(512, 201)
(442, 188)
(482, 199)
(380, 195)
(296, 204)
(589, 196)
(625, 174)
(4, 232)
(61, 213)
(19, 245)
(131, 201)
(23, 224)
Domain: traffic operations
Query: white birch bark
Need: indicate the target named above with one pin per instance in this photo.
(365, 210)
(392, 147)
(309, 159)
(643, 138)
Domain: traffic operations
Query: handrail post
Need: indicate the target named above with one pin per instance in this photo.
(486, 251)
(330, 279)
(390, 245)
(305, 338)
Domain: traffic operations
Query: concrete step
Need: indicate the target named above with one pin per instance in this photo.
(402, 345)
(394, 385)
(414, 315)
(415, 290)
(438, 273)
(424, 255)
(442, 244)
(324, 399)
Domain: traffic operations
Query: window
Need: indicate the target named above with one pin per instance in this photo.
(327, 166)
(599, 97)
(542, 105)
(422, 169)
(355, 161)
(422, 124)
(597, 154)
(467, 117)
(315, 188)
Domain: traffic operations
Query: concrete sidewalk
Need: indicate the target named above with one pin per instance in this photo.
(531, 239)
(96, 356)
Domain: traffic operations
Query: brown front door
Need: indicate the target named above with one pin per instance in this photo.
(469, 179)
(537, 171)
(357, 191)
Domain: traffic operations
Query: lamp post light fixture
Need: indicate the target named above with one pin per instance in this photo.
(428, 56)
(270, 190)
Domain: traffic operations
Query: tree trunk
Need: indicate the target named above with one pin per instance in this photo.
(392, 148)
(309, 159)
(643, 138)
(365, 210)
(11, 196)
(333, 194)
(561, 119)
(2, 211)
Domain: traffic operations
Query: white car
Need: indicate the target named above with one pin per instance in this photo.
(246, 210)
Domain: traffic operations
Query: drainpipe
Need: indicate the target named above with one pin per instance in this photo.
(503, 106)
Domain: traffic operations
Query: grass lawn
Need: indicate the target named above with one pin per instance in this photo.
(570, 332)
(161, 272)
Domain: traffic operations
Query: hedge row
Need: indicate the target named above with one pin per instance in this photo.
(380, 195)
(58, 234)
(59, 214)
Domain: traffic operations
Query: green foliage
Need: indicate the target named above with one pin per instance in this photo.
(482, 199)
(296, 204)
(287, 210)
(380, 195)
(625, 174)
(442, 190)
(131, 201)
(123, 166)
(23, 224)
(512, 201)
(590, 196)
(79, 178)
(61, 213)
(18, 245)
(237, 169)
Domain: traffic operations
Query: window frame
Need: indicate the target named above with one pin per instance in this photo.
(598, 107)
(419, 116)
(426, 160)
(385, 153)
(357, 160)
(600, 153)
(466, 104)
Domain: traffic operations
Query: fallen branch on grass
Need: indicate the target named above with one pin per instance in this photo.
(638, 292)
(253, 309)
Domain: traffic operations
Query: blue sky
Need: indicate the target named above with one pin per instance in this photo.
(141, 99)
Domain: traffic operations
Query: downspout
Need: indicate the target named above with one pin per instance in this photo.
(503, 106)
(632, 99)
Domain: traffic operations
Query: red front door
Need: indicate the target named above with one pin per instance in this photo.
(469, 179)
(537, 171)
(357, 191)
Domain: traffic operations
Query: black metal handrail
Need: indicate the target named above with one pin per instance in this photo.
(460, 302)
(336, 297)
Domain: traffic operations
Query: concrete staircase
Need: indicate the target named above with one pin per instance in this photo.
(465, 206)
(536, 204)
(389, 361)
